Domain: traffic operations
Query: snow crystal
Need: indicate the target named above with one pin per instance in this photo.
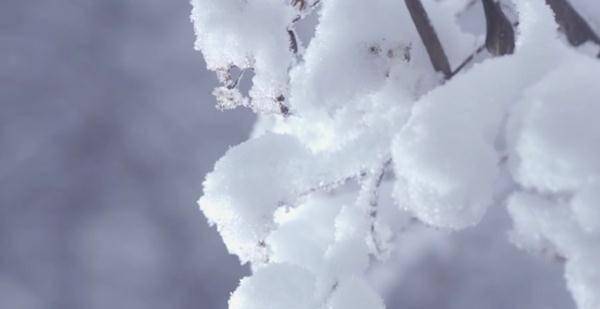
(247, 34)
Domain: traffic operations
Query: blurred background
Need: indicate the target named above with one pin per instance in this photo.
(107, 127)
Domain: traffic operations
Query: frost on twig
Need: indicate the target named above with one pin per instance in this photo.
(368, 200)
(229, 98)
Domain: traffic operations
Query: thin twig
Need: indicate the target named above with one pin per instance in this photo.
(500, 35)
(369, 198)
(577, 30)
(434, 48)
(468, 60)
(293, 40)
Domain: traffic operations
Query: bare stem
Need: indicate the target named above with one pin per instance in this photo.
(434, 48)
(500, 35)
(577, 30)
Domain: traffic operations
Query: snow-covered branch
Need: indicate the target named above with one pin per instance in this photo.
(397, 112)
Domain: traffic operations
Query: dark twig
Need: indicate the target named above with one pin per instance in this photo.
(234, 83)
(468, 60)
(369, 198)
(434, 48)
(471, 57)
(300, 3)
(577, 30)
(500, 35)
(293, 40)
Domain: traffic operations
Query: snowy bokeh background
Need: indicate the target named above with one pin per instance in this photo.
(107, 128)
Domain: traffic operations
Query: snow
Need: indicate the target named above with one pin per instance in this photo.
(275, 286)
(586, 210)
(557, 147)
(547, 225)
(303, 237)
(447, 156)
(354, 294)
(375, 142)
(247, 34)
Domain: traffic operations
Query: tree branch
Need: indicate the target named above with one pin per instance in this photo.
(500, 35)
(434, 48)
(369, 197)
(468, 60)
(577, 30)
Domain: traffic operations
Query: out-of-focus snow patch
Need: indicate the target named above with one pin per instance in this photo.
(586, 208)
(549, 226)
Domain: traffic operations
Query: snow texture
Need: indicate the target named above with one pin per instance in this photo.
(273, 287)
(554, 156)
(363, 117)
(247, 35)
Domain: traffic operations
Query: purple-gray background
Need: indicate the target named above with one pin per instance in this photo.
(107, 128)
